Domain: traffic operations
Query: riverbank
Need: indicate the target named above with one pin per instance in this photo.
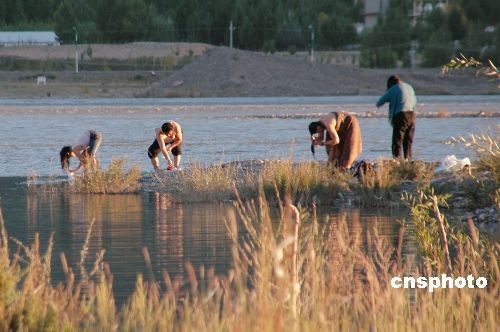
(468, 194)
(168, 70)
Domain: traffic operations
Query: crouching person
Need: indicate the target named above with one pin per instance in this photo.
(168, 139)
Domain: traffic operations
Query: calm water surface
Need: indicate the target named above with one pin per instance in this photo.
(173, 233)
(217, 129)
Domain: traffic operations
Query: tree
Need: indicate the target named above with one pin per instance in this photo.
(125, 20)
(335, 30)
(457, 22)
(14, 12)
(64, 21)
(37, 11)
(482, 11)
(136, 23)
(438, 49)
(3, 12)
(290, 34)
(389, 41)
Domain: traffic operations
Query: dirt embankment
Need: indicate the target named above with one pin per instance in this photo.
(228, 72)
(218, 72)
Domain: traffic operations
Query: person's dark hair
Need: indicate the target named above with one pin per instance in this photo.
(166, 127)
(313, 126)
(65, 155)
(392, 80)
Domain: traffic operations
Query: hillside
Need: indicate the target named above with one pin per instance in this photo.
(215, 72)
(222, 71)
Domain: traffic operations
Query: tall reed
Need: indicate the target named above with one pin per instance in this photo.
(303, 275)
(114, 179)
(307, 182)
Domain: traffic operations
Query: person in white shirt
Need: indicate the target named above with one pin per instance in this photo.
(84, 150)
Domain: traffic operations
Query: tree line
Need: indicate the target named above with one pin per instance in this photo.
(270, 25)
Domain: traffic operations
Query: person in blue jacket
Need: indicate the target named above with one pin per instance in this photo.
(402, 102)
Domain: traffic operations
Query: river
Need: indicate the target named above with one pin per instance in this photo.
(218, 130)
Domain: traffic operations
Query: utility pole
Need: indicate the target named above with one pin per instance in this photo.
(413, 52)
(231, 29)
(76, 49)
(312, 41)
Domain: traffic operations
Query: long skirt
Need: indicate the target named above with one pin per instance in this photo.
(350, 145)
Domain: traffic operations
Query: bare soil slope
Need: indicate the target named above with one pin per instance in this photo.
(216, 72)
(222, 71)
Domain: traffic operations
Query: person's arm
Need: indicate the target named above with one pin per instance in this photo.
(77, 151)
(178, 138)
(329, 122)
(334, 137)
(75, 169)
(316, 139)
(163, 148)
(385, 98)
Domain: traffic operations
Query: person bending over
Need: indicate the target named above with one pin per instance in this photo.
(84, 150)
(340, 133)
(168, 139)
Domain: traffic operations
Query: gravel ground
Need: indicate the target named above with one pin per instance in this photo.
(219, 72)
(222, 71)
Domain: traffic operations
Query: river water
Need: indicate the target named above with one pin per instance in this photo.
(215, 130)
(219, 129)
(173, 233)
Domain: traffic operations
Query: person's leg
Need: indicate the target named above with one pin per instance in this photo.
(409, 133)
(177, 152)
(156, 163)
(397, 135)
(177, 161)
(94, 144)
(153, 152)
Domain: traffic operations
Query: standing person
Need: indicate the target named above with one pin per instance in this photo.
(84, 149)
(402, 102)
(169, 134)
(342, 139)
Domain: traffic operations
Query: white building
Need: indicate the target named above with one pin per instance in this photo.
(18, 38)
(373, 8)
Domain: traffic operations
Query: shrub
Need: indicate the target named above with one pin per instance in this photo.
(113, 180)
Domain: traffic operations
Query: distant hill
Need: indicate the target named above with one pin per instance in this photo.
(226, 72)
(215, 72)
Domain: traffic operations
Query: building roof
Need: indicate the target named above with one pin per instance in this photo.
(28, 37)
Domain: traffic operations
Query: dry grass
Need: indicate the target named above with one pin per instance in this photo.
(307, 182)
(487, 151)
(115, 179)
(204, 184)
(485, 166)
(382, 184)
(303, 276)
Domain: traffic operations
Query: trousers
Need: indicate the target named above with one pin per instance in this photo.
(402, 134)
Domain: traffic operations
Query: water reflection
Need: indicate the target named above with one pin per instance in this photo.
(173, 233)
(189, 233)
(365, 226)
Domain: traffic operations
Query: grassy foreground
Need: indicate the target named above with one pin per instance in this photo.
(304, 276)
(382, 184)
(307, 182)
